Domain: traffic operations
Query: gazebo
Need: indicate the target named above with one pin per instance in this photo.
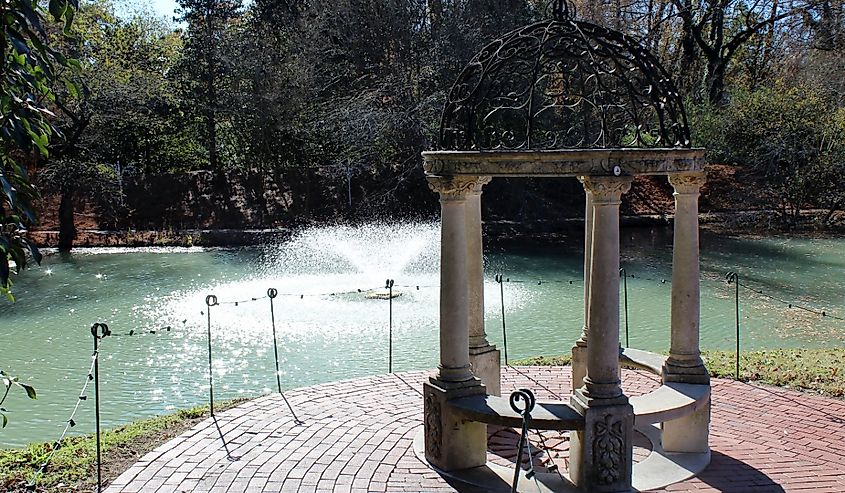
(567, 98)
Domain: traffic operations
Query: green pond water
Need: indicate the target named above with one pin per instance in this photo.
(326, 333)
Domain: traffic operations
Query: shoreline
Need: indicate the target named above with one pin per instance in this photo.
(747, 224)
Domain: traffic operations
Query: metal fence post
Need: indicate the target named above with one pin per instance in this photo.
(389, 285)
(98, 331)
(733, 277)
(210, 301)
(500, 280)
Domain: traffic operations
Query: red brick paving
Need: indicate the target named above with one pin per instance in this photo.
(358, 437)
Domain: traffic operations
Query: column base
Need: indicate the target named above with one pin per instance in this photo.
(685, 371)
(601, 455)
(451, 442)
(486, 364)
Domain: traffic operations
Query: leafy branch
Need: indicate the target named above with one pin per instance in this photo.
(9, 382)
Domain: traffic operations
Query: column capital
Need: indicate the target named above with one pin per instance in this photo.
(457, 187)
(606, 190)
(688, 183)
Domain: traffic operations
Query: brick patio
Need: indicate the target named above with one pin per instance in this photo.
(358, 436)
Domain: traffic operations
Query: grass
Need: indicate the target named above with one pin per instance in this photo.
(74, 465)
(812, 370)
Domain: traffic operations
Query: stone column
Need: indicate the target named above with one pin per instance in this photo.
(483, 356)
(579, 350)
(684, 364)
(602, 454)
(452, 443)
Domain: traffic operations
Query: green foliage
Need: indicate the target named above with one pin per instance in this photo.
(789, 136)
(29, 67)
(10, 381)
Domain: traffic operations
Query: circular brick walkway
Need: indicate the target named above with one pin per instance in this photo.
(358, 436)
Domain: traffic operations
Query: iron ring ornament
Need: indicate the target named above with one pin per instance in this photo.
(560, 84)
(522, 401)
(100, 330)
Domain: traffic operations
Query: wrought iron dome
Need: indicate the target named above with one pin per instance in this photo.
(563, 84)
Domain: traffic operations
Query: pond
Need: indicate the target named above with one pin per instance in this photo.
(328, 330)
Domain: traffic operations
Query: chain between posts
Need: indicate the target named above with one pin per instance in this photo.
(70, 422)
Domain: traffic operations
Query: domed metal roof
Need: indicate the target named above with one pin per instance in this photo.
(563, 84)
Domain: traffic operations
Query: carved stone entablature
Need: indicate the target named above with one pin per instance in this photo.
(457, 187)
(606, 189)
(688, 183)
(608, 449)
(585, 162)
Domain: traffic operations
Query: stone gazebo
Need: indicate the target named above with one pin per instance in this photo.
(567, 98)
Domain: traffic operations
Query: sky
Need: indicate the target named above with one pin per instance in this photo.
(163, 7)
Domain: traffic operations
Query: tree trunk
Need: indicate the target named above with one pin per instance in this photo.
(67, 229)
(715, 81)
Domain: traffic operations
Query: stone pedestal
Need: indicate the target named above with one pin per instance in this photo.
(601, 456)
(452, 443)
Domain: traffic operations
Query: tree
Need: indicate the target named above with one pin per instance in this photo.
(205, 68)
(29, 67)
(787, 136)
(126, 122)
(718, 29)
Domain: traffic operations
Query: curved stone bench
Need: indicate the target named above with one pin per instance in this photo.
(669, 401)
(494, 410)
(642, 360)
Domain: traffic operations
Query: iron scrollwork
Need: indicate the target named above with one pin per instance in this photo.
(563, 84)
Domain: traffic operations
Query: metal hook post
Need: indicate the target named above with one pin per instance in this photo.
(210, 301)
(733, 277)
(98, 331)
(525, 397)
(388, 283)
(500, 281)
(272, 293)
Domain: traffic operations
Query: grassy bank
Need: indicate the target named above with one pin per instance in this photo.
(74, 466)
(813, 370)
